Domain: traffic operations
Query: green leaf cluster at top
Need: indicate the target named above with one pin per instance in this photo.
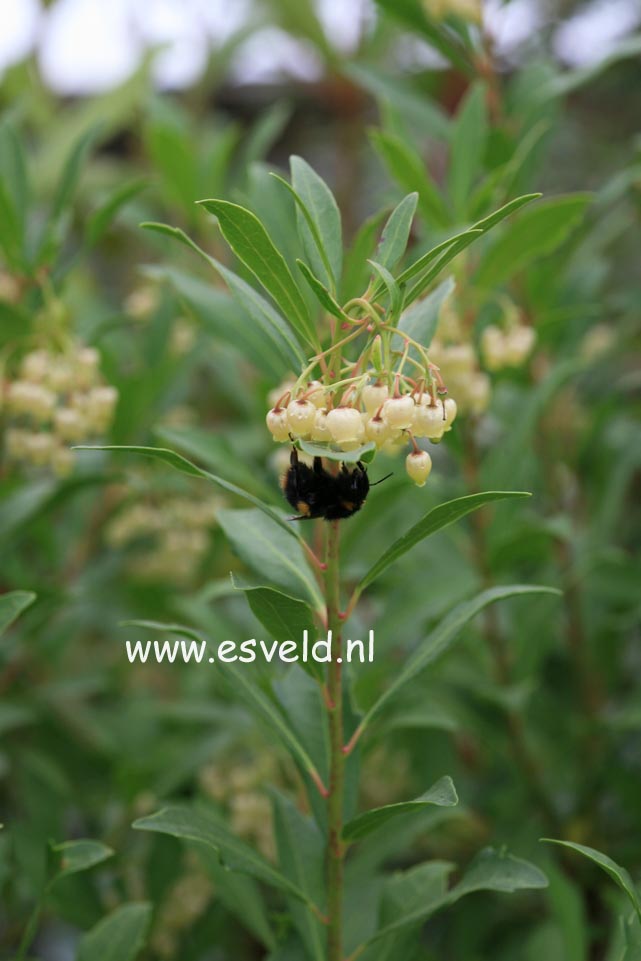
(284, 314)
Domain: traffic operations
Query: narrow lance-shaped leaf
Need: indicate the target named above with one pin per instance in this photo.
(444, 635)
(262, 545)
(396, 232)
(12, 605)
(409, 170)
(435, 520)
(265, 709)
(118, 937)
(393, 289)
(251, 243)
(259, 309)
(536, 232)
(491, 870)
(79, 855)
(178, 462)
(618, 874)
(284, 617)
(468, 146)
(324, 245)
(441, 794)
(444, 252)
(321, 293)
(205, 827)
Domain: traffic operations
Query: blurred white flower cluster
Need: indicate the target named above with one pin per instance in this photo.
(58, 399)
(170, 535)
(238, 786)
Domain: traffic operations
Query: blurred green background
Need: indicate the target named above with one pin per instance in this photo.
(114, 114)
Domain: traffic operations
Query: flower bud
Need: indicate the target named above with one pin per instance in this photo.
(316, 393)
(16, 443)
(101, 402)
(87, 360)
(378, 430)
(399, 411)
(478, 393)
(39, 448)
(34, 366)
(518, 344)
(320, 430)
(61, 377)
(69, 424)
(301, 415)
(345, 425)
(33, 400)
(449, 408)
(428, 421)
(418, 465)
(373, 395)
(277, 423)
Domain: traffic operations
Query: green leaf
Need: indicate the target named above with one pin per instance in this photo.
(396, 232)
(270, 715)
(355, 276)
(536, 232)
(435, 520)
(203, 301)
(163, 628)
(365, 453)
(118, 937)
(321, 293)
(393, 289)
(283, 617)
(241, 895)
(421, 320)
(12, 605)
(437, 32)
(443, 636)
(301, 856)
(442, 794)
(79, 855)
(71, 172)
(103, 215)
(215, 451)
(205, 827)
(441, 255)
(262, 545)
(420, 112)
(410, 172)
(491, 870)
(618, 874)
(186, 467)
(468, 142)
(253, 246)
(324, 246)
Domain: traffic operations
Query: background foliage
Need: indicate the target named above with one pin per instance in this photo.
(534, 714)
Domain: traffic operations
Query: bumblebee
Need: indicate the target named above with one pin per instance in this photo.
(314, 492)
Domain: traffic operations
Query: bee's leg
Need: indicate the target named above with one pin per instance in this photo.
(361, 466)
(318, 465)
(293, 457)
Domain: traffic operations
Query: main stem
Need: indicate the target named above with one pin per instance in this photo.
(335, 848)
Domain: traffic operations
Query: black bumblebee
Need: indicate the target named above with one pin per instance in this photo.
(314, 492)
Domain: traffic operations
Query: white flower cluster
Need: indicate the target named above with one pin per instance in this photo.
(171, 532)
(506, 348)
(58, 399)
(239, 788)
(459, 365)
(369, 413)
